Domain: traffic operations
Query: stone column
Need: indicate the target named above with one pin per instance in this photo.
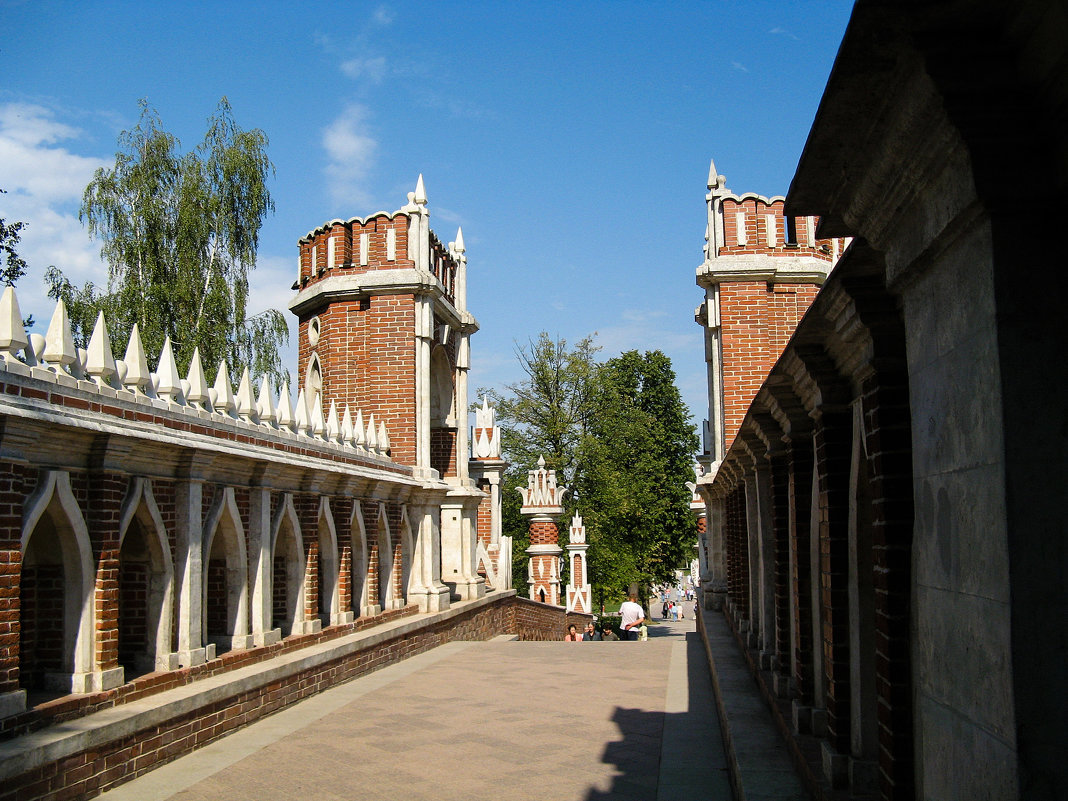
(426, 587)
(542, 503)
(190, 572)
(260, 564)
(579, 595)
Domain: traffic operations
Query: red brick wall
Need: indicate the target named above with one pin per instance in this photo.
(443, 451)
(133, 612)
(757, 320)
(543, 533)
(367, 355)
(41, 620)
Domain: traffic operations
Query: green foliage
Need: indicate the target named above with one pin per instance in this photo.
(620, 437)
(179, 235)
(14, 266)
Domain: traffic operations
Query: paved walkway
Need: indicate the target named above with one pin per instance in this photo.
(495, 720)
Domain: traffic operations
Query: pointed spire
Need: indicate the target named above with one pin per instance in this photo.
(300, 416)
(198, 384)
(224, 393)
(333, 426)
(59, 341)
(137, 376)
(346, 427)
(170, 383)
(372, 435)
(246, 405)
(317, 420)
(285, 408)
(12, 333)
(359, 433)
(458, 246)
(265, 403)
(100, 361)
(420, 191)
(383, 439)
(713, 175)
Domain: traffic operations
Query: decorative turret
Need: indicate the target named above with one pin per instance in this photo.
(493, 557)
(579, 596)
(542, 502)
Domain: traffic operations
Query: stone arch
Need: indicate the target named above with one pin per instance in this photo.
(385, 560)
(287, 569)
(146, 583)
(362, 604)
(329, 605)
(57, 558)
(313, 379)
(225, 574)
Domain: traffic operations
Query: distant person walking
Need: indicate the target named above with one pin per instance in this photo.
(631, 617)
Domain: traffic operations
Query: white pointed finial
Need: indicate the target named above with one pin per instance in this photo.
(333, 425)
(246, 406)
(12, 333)
(198, 384)
(265, 403)
(713, 176)
(137, 376)
(359, 432)
(300, 414)
(420, 191)
(383, 439)
(317, 421)
(170, 383)
(59, 341)
(458, 246)
(224, 393)
(100, 361)
(372, 435)
(285, 408)
(346, 427)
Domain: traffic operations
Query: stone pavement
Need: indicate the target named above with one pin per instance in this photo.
(495, 720)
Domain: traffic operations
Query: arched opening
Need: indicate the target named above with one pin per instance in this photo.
(385, 560)
(55, 593)
(145, 585)
(313, 380)
(406, 548)
(360, 600)
(327, 566)
(287, 572)
(442, 414)
(225, 578)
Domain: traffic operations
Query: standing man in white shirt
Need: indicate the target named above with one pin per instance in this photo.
(631, 618)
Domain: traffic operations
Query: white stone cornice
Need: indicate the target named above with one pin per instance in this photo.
(758, 267)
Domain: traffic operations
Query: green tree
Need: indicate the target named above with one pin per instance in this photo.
(546, 413)
(14, 266)
(180, 234)
(638, 456)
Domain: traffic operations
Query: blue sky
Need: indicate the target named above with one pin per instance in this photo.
(570, 140)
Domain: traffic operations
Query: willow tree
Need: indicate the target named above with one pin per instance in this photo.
(179, 233)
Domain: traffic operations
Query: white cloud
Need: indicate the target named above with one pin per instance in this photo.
(270, 288)
(739, 66)
(784, 32)
(44, 183)
(372, 69)
(383, 16)
(350, 151)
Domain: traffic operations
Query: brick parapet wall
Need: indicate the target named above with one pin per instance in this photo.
(134, 750)
(544, 622)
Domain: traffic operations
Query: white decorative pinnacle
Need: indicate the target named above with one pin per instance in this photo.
(100, 361)
(265, 403)
(137, 377)
(224, 393)
(542, 495)
(59, 342)
(285, 416)
(170, 382)
(577, 533)
(12, 333)
(486, 442)
(420, 191)
(197, 393)
(192, 394)
(245, 405)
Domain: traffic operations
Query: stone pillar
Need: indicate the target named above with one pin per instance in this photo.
(487, 468)
(106, 492)
(579, 594)
(190, 572)
(542, 503)
(425, 586)
(260, 566)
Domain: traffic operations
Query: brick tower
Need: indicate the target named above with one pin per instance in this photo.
(542, 503)
(579, 597)
(760, 274)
